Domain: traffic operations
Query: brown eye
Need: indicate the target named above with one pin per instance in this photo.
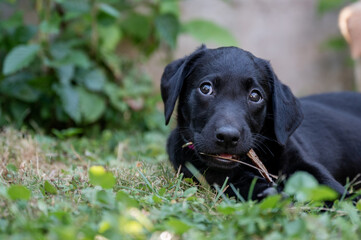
(255, 96)
(206, 88)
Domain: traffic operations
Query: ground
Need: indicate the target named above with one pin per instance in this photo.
(121, 186)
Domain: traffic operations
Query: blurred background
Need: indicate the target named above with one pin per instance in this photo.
(79, 67)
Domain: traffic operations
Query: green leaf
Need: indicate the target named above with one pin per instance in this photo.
(322, 193)
(19, 192)
(98, 176)
(94, 80)
(114, 94)
(178, 226)
(306, 188)
(110, 37)
(270, 202)
(24, 33)
(64, 56)
(104, 197)
(60, 50)
(19, 57)
(169, 7)
(190, 192)
(294, 228)
(227, 209)
(66, 133)
(124, 198)
(157, 199)
(104, 226)
(78, 58)
(69, 97)
(207, 31)
(358, 205)
(65, 73)
(91, 105)
(51, 26)
(168, 28)
(12, 168)
(79, 7)
(17, 86)
(110, 10)
(299, 181)
(50, 188)
(137, 26)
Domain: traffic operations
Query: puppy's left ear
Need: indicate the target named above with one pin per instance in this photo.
(172, 80)
(286, 109)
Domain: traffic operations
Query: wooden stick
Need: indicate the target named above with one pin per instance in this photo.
(263, 171)
(231, 159)
(253, 156)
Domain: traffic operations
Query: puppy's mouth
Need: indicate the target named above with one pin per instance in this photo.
(223, 160)
(227, 161)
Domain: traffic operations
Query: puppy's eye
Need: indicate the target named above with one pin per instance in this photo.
(255, 96)
(206, 88)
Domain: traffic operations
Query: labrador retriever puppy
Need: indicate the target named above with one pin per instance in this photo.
(230, 101)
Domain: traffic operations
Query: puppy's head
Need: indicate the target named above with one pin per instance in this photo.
(227, 100)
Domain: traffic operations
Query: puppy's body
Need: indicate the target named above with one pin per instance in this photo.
(329, 136)
(230, 101)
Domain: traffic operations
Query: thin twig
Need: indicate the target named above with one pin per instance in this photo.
(231, 159)
(251, 154)
(241, 162)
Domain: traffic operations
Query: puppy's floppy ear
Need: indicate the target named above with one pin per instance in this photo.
(172, 80)
(286, 109)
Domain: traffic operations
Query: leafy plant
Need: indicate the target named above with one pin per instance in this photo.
(71, 69)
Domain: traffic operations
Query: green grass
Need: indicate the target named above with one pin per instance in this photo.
(48, 192)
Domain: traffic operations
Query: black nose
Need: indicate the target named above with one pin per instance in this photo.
(227, 136)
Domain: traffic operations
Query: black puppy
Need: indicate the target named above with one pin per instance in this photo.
(231, 101)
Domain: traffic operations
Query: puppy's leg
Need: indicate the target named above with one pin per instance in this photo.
(296, 158)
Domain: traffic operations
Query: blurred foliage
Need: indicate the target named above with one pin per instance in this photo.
(324, 6)
(337, 42)
(73, 68)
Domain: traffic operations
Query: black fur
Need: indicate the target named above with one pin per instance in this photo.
(320, 134)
